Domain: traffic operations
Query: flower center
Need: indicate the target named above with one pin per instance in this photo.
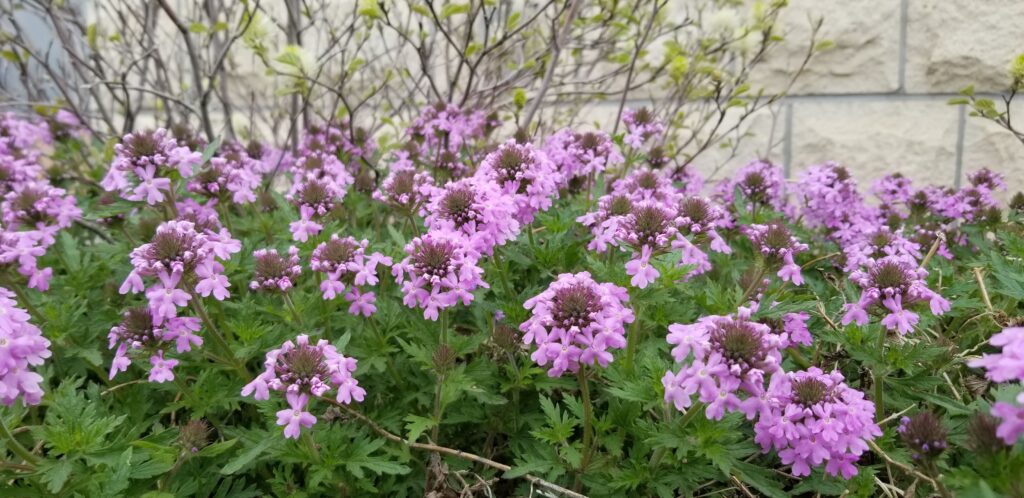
(648, 222)
(890, 275)
(809, 392)
(574, 306)
(143, 145)
(458, 205)
(303, 366)
(740, 345)
(434, 259)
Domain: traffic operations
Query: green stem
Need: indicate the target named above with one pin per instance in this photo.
(412, 221)
(502, 272)
(291, 307)
(632, 339)
(754, 284)
(438, 408)
(15, 446)
(529, 236)
(878, 377)
(588, 429)
(218, 338)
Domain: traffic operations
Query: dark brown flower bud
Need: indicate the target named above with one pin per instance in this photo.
(193, 436)
(924, 435)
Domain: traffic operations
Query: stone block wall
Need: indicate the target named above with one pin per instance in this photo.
(876, 102)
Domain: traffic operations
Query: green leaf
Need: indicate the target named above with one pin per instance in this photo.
(370, 9)
(197, 27)
(217, 448)
(759, 478)
(519, 98)
(210, 150)
(416, 426)
(452, 9)
(242, 460)
(55, 473)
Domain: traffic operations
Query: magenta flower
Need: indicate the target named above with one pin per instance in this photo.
(812, 418)
(641, 125)
(22, 346)
(165, 297)
(444, 128)
(761, 184)
(525, 173)
(295, 416)
(893, 283)
(576, 321)
(723, 357)
(142, 165)
(1006, 366)
(35, 205)
(439, 271)
(345, 264)
(831, 200)
(161, 368)
(184, 260)
(303, 229)
(142, 333)
(233, 175)
(578, 155)
(20, 251)
(641, 270)
(777, 247)
(274, 272)
(870, 246)
(478, 208)
(305, 371)
(405, 188)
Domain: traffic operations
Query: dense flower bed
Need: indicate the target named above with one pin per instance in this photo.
(566, 313)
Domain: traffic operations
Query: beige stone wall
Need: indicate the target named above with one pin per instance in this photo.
(877, 101)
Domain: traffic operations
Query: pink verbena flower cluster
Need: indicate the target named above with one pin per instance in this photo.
(302, 371)
(444, 128)
(477, 207)
(405, 189)
(143, 163)
(870, 246)
(699, 220)
(641, 125)
(777, 246)
(273, 272)
(345, 265)
(831, 200)
(233, 174)
(142, 333)
(32, 210)
(579, 155)
(524, 172)
(440, 270)
(727, 357)
(890, 285)
(790, 328)
(319, 184)
(576, 321)
(185, 261)
(761, 184)
(340, 139)
(811, 418)
(1006, 366)
(22, 346)
(646, 213)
